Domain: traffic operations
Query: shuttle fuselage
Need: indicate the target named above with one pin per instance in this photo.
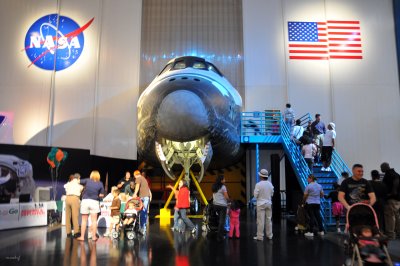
(189, 115)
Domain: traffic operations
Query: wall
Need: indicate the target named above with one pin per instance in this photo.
(94, 100)
(90, 105)
(360, 96)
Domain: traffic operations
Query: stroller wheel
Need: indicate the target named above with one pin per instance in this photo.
(130, 235)
(115, 234)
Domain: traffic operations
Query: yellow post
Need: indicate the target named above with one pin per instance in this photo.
(198, 188)
(165, 213)
(165, 217)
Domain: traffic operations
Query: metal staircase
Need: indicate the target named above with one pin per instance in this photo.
(261, 127)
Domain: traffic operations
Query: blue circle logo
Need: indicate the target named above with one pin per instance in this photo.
(55, 42)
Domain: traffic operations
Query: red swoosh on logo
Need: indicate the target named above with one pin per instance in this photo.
(68, 35)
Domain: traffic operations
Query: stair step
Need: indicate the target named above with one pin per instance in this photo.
(324, 175)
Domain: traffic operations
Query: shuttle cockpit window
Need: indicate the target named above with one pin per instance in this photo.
(166, 68)
(180, 65)
(199, 65)
(211, 67)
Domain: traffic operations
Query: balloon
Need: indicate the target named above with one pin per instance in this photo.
(55, 157)
(59, 155)
(52, 165)
(51, 157)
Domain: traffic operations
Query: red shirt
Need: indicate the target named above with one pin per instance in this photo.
(234, 214)
(183, 201)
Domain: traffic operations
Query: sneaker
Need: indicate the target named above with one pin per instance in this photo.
(338, 230)
(258, 239)
(269, 237)
(348, 262)
(89, 235)
(321, 233)
(106, 234)
(323, 169)
(194, 230)
(328, 169)
(309, 234)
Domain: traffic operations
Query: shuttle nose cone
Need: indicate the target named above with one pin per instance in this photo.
(182, 116)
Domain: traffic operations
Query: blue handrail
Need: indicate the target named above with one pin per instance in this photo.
(338, 165)
(296, 159)
(265, 126)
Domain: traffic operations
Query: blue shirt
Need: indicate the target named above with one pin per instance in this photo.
(314, 193)
(92, 189)
(318, 127)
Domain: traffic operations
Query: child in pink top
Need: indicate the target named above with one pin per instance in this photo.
(234, 214)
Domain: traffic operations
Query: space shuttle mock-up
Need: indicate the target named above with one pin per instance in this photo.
(189, 116)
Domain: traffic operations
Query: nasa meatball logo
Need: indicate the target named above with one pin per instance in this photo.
(55, 42)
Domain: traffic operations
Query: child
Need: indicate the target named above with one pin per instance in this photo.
(234, 214)
(110, 196)
(337, 207)
(115, 211)
(182, 197)
(369, 245)
(309, 150)
(130, 213)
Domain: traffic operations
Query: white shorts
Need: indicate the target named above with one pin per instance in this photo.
(115, 219)
(90, 206)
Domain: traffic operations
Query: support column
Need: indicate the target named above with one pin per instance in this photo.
(275, 179)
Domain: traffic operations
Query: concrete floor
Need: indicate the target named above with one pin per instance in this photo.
(161, 246)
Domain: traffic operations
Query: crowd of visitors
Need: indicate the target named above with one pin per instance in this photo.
(83, 197)
(317, 143)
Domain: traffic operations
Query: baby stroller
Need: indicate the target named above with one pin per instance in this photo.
(365, 242)
(132, 228)
(210, 219)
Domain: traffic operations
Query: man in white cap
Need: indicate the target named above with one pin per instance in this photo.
(328, 144)
(263, 193)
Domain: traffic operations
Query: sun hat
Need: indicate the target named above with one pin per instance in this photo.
(263, 173)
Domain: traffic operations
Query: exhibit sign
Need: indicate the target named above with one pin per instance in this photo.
(22, 215)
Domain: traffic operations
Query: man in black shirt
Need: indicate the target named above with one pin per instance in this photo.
(356, 189)
(392, 206)
(380, 193)
(124, 182)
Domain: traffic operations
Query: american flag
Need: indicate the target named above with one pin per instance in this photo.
(333, 39)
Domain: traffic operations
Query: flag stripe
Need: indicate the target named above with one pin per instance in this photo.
(309, 46)
(346, 57)
(345, 39)
(344, 51)
(308, 51)
(339, 28)
(343, 21)
(343, 33)
(346, 45)
(310, 57)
